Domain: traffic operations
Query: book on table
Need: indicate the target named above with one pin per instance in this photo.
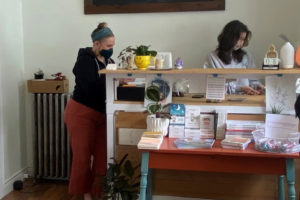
(150, 140)
(192, 143)
(235, 143)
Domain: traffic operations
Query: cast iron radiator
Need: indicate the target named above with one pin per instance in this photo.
(52, 159)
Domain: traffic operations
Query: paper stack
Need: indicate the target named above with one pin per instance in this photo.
(150, 140)
(235, 143)
(192, 143)
(241, 128)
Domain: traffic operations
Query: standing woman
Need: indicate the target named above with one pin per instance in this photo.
(85, 115)
(230, 54)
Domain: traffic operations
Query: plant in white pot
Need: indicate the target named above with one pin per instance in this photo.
(157, 120)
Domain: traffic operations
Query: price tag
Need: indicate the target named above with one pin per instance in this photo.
(271, 61)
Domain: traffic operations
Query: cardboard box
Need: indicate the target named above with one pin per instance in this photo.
(48, 86)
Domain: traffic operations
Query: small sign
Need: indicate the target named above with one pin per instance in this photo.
(215, 88)
(111, 67)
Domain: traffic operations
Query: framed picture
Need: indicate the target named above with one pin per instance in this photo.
(146, 6)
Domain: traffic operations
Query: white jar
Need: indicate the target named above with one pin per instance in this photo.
(287, 56)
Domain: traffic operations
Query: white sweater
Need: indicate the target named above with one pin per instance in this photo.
(213, 61)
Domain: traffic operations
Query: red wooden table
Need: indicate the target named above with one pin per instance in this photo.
(217, 159)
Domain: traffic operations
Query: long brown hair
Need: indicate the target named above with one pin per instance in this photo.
(228, 39)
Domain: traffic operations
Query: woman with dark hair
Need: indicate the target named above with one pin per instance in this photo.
(229, 54)
(85, 115)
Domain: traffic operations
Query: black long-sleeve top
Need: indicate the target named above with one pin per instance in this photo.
(90, 87)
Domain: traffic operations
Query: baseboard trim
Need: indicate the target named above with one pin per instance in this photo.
(8, 183)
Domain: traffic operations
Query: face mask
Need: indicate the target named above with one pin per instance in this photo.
(106, 53)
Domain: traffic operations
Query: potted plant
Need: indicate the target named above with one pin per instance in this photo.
(121, 181)
(157, 120)
(143, 56)
(39, 74)
(126, 58)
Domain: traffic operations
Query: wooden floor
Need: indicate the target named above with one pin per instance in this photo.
(42, 191)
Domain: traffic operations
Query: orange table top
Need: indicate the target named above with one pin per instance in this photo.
(168, 147)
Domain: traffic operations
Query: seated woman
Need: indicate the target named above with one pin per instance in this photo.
(229, 54)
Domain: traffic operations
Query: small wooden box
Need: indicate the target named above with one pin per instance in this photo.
(48, 86)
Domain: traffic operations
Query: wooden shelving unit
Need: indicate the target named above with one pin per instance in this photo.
(202, 71)
(255, 100)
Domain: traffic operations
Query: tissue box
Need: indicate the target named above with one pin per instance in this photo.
(48, 86)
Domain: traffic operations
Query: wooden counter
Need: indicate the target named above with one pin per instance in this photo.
(210, 185)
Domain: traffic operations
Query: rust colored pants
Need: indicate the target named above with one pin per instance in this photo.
(87, 130)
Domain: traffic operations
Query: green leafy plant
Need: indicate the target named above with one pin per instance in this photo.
(153, 94)
(143, 50)
(121, 180)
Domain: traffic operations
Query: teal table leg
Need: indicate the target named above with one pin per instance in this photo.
(144, 174)
(281, 187)
(290, 177)
(149, 184)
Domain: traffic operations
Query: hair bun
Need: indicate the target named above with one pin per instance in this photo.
(102, 25)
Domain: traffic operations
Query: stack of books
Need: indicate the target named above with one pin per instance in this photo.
(193, 143)
(241, 128)
(150, 140)
(235, 143)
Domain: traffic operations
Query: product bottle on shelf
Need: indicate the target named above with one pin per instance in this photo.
(287, 56)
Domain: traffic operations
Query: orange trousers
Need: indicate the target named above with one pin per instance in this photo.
(87, 130)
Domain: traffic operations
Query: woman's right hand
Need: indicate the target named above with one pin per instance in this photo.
(250, 91)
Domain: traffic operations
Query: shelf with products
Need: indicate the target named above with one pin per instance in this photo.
(230, 100)
(236, 107)
(203, 71)
(251, 105)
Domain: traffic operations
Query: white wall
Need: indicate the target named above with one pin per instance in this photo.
(12, 90)
(1, 140)
(54, 30)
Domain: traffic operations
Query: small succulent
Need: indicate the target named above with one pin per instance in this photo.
(276, 109)
(39, 72)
